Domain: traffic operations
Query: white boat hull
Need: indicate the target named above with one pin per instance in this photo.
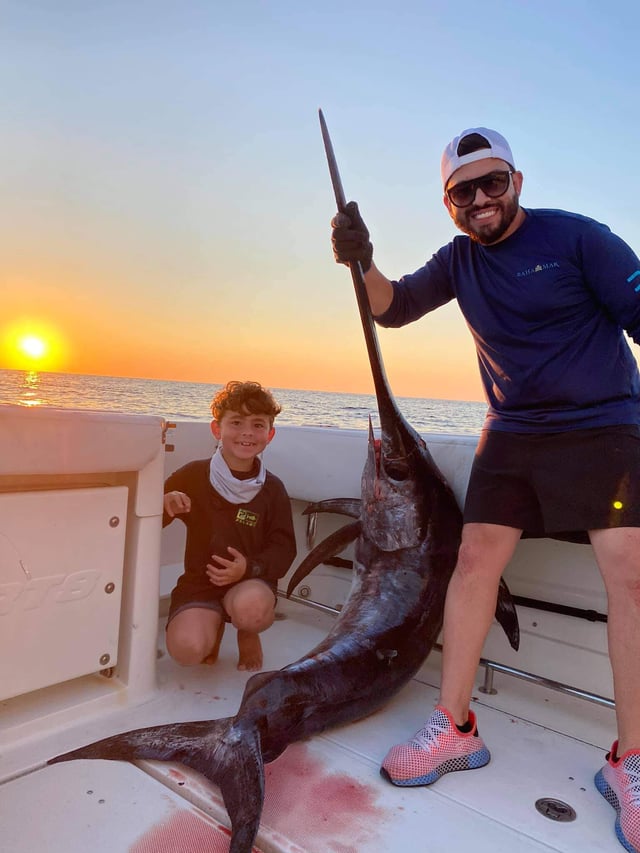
(321, 795)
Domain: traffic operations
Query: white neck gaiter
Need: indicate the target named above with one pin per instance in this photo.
(231, 488)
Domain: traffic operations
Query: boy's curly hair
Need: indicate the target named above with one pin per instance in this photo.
(244, 397)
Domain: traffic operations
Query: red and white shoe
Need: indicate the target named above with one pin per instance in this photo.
(438, 748)
(619, 783)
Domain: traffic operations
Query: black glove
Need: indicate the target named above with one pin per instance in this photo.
(350, 237)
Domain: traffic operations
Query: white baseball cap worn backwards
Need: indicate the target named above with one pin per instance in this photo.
(476, 143)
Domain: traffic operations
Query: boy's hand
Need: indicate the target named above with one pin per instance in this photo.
(227, 571)
(176, 503)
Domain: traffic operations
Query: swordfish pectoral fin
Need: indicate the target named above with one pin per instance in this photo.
(340, 506)
(329, 547)
(507, 615)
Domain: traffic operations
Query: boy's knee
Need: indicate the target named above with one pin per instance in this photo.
(186, 650)
(255, 616)
(187, 657)
(251, 607)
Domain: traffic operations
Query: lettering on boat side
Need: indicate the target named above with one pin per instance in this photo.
(28, 595)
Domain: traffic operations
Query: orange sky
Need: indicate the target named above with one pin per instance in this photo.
(105, 307)
(166, 198)
(106, 344)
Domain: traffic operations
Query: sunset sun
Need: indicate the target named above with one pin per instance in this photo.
(32, 345)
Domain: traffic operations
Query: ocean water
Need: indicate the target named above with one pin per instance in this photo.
(190, 401)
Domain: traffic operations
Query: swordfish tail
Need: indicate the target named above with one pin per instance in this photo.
(227, 752)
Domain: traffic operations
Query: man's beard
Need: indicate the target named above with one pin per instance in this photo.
(488, 235)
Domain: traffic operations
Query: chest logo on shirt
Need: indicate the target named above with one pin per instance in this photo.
(249, 519)
(554, 265)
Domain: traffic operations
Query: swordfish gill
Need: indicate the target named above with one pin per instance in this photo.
(407, 531)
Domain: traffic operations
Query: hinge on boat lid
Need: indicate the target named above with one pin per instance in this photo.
(167, 425)
(555, 810)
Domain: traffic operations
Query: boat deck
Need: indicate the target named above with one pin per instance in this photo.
(324, 794)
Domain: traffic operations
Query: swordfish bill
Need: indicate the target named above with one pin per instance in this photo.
(406, 532)
(371, 338)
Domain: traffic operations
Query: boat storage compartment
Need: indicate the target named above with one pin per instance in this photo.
(61, 566)
(80, 527)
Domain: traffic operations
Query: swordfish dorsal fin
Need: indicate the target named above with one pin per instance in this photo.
(507, 616)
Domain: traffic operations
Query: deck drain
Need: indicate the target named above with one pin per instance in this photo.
(555, 810)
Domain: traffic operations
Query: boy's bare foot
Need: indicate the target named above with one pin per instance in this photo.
(212, 657)
(249, 651)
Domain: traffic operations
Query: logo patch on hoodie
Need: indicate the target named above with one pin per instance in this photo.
(246, 517)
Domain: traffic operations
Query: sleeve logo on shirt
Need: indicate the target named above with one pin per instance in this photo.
(246, 517)
(632, 277)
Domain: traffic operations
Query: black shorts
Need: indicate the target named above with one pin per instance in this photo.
(209, 597)
(559, 485)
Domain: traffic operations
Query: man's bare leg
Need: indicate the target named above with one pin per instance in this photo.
(617, 552)
(470, 608)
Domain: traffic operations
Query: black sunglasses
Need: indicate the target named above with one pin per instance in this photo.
(492, 185)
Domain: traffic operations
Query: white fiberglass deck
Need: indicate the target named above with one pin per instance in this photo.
(321, 795)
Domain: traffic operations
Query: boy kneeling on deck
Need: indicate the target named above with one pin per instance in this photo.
(240, 537)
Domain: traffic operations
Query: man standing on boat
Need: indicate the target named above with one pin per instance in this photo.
(547, 296)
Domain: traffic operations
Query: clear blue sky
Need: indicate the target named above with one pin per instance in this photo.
(165, 197)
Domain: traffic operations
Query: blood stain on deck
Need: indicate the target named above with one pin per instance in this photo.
(185, 832)
(318, 809)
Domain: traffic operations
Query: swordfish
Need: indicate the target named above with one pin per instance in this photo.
(406, 528)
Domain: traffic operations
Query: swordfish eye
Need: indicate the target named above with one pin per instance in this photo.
(396, 469)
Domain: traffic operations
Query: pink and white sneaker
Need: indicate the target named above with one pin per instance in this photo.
(438, 748)
(619, 783)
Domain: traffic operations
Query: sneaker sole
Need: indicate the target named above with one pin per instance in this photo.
(473, 762)
(610, 796)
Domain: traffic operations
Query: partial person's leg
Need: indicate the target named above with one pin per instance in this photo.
(440, 746)
(617, 552)
(194, 634)
(470, 608)
(500, 503)
(251, 608)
